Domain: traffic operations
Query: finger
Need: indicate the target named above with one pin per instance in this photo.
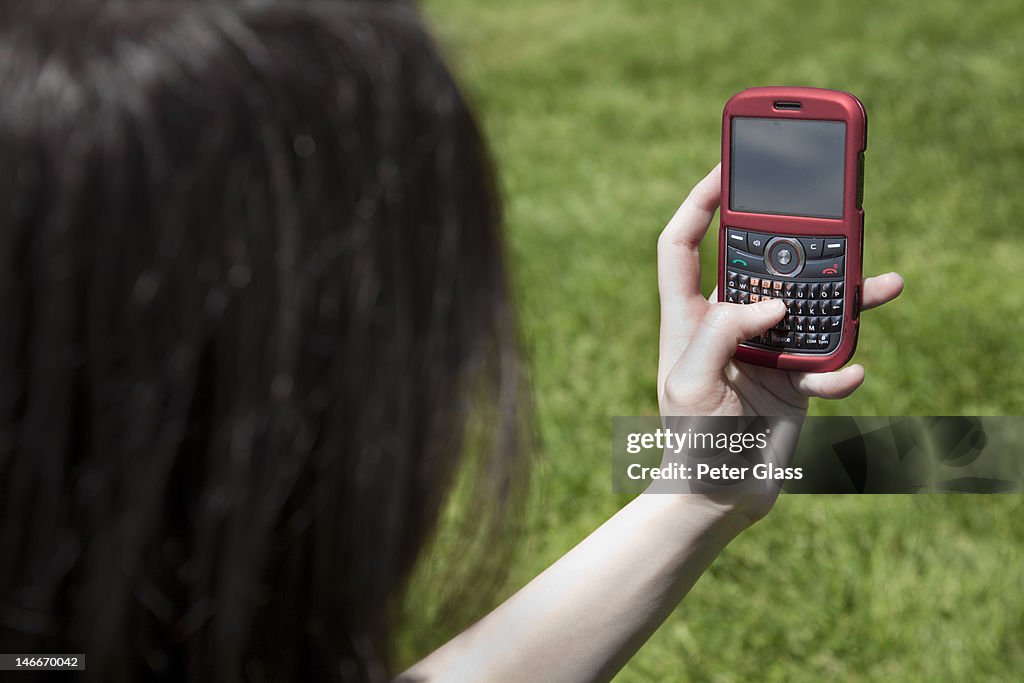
(881, 289)
(721, 330)
(678, 255)
(679, 270)
(838, 384)
(691, 219)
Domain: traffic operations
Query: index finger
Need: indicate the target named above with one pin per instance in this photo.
(682, 305)
(678, 256)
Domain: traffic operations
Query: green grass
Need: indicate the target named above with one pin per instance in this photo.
(602, 115)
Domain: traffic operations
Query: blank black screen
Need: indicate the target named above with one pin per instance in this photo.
(787, 166)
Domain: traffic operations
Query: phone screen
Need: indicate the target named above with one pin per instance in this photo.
(787, 166)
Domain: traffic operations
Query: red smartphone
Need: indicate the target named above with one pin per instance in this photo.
(791, 220)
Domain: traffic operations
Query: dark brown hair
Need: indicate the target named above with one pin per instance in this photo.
(252, 285)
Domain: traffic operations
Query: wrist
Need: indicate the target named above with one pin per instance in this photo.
(724, 517)
(734, 511)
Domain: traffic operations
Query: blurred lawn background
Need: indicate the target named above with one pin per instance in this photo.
(602, 115)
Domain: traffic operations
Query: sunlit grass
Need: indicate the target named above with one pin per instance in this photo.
(601, 116)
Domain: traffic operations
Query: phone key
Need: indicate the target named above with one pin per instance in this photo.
(825, 267)
(812, 290)
(835, 323)
(824, 341)
(801, 307)
(837, 290)
(735, 258)
(835, 307)
(799, 323)
(755, 281)
(812, 246)
(801, 290)
(834, 246)
(782, 338)
(737, 239)
(754, 298)
(742, 282)
(756, 242)
(813, 307)
(732, 296)
(799, 340)
(777, 286)
(812, 324)
(789, 289)
(825, 291)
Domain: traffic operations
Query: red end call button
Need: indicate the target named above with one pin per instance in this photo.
(829, 267)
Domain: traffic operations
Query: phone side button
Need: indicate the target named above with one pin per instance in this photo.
(860, 178)
(856, 303)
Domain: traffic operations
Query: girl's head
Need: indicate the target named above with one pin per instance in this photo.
(252, 287)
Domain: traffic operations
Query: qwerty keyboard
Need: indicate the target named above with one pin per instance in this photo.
(807, 273)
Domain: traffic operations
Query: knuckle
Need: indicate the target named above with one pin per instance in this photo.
(675, 237)
(720, 316)
(685, 394)
(663, 240)
(678, 392)
(667, 240)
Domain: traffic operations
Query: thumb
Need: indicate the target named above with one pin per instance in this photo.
(723, 327)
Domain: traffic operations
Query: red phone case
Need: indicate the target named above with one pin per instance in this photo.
(819, 104)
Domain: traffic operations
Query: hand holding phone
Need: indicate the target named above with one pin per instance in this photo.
(792, 222)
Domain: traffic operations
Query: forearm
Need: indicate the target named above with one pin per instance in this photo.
(588, 613)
